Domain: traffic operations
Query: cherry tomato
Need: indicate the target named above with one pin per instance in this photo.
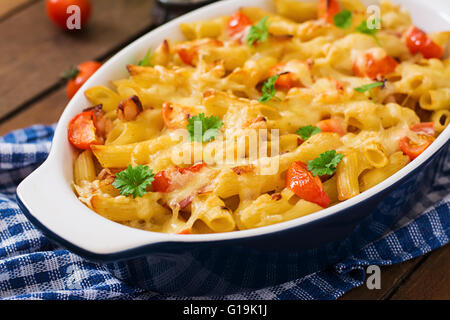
(374, 68)
(195, 168)
(161, 182)
(332, 125)
(305, 185)
(286, 79)
(188, 55)
(413, 149)
(185, 231)
(328, 9)
(173, 178)
(418, 41)
(82, 130)
(237, 23)
(57, 11)
(77, 77)
(424, 128)
(188, 51)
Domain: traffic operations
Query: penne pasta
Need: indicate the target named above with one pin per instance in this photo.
(84, 168)
(103, 96)
(375, 155)
(347, 176)
(441, 119)
(203, 29)
(373, 177)
(436, 99)
(212, 211)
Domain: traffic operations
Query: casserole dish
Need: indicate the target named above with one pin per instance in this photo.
(214, 263)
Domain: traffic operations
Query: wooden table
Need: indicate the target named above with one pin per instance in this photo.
(34, 53)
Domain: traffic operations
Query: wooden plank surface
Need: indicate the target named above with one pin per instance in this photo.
(431, 281)
(38, 52)
(391, 278)
(45, 111)
(8, 7)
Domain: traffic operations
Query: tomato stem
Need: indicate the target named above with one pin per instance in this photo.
(70, 74)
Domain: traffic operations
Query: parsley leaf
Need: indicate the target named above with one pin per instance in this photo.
(343, 19)
(369, 86)
(307, 131)
(370, 31)
(268, 89)
(134, 181)
(146, 61)
(203, 129)
(259, 32)
(325, 164)
(364, 27)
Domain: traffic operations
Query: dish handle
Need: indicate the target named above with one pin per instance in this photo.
(48, 201)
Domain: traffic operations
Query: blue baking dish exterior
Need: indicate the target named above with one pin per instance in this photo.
(231, 266)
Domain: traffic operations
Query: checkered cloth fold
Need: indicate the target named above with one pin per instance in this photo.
(32, 267)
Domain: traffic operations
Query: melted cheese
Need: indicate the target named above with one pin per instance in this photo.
(224, 77)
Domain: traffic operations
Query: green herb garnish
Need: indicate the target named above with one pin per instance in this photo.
(134, 181)
(365, 29)
(259, 32)
(146, 61)
(203, 129)
(325, 164)
(343, 19)
(268, 89)
(307, 132)
(70, 74)
(369, 87)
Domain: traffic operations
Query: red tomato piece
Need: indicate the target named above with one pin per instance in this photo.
(185, 231)
(374, 68)
(82, 131)
(286, 79)
(305, 185)
(188, 52)
(161, 182)
(424, 128)
(413, 149)
(175, 116)
(173, 178)
(188, 55)
(57, 11)
(237, 23)
(195, 168)
(332, 125)
(418, 41)
(328, 9)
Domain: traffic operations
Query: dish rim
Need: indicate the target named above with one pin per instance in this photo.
(141, 239)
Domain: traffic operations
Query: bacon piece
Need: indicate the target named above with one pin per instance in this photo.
(185, 202)
(243, 169)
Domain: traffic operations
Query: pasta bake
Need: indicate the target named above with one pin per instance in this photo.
(262, 117)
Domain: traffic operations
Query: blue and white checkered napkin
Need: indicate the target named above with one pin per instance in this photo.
(31, 267)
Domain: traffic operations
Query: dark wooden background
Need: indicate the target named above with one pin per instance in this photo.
(33, 54)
